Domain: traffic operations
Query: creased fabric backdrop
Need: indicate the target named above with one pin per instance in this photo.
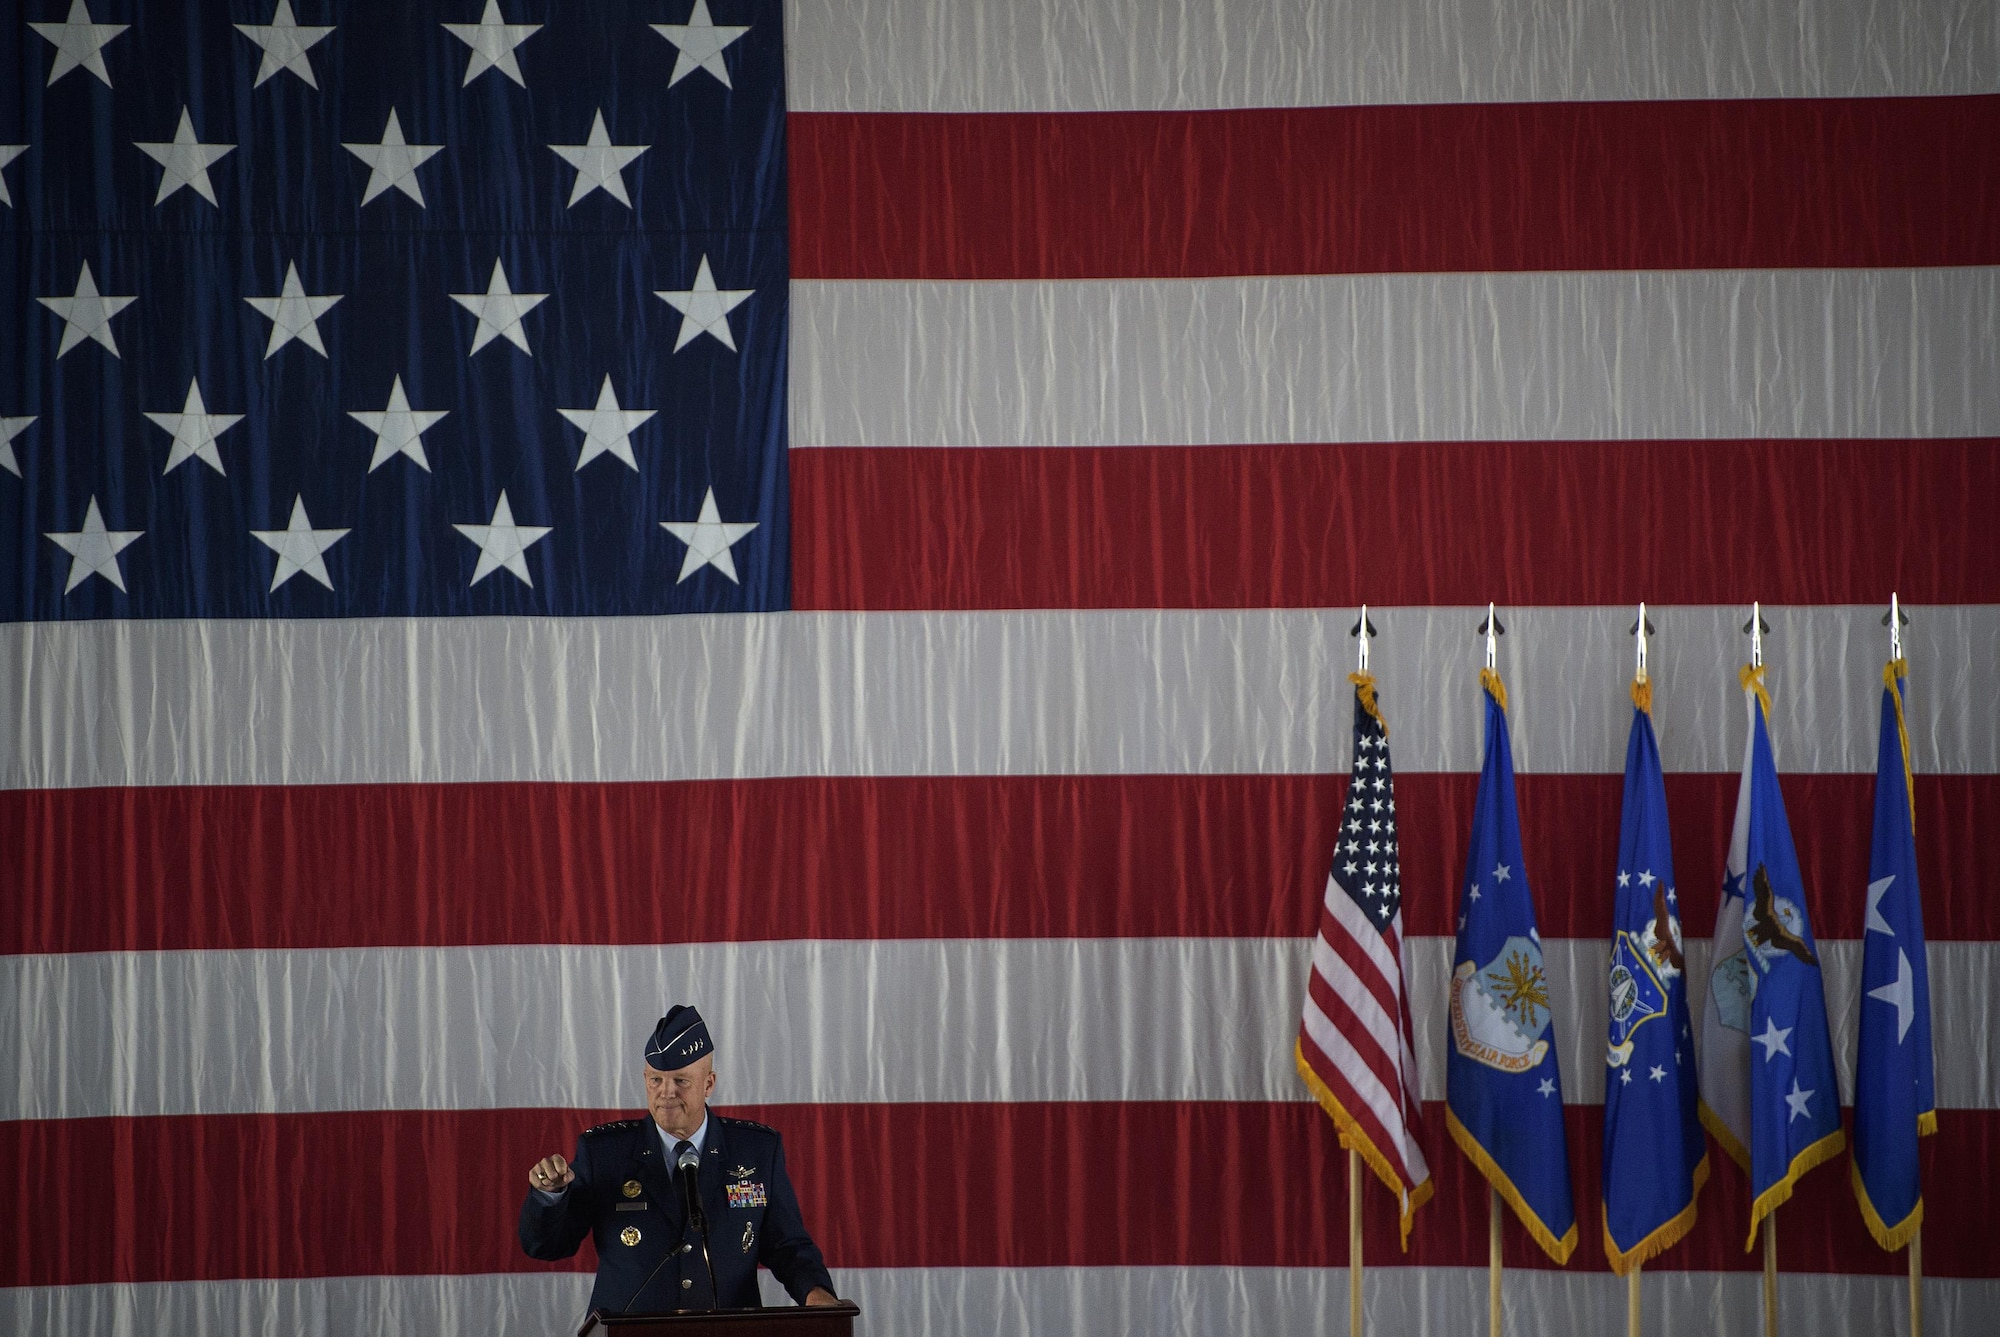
(1133, 345)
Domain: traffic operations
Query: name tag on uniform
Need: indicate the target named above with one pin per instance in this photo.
(631, 1206)
(747, 1195)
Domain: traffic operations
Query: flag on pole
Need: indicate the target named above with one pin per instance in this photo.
(1503, 1089)
(1894, 1098)
(1354, 1048)
(1767, 1080)
(1655, 1158)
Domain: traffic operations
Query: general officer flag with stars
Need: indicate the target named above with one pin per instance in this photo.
(1894, 1096)
(390, 308)
(1655, 1157)
(1767, 1077)
(1503, 1089)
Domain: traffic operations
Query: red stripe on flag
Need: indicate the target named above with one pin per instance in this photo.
(1377, 1062)
(1346, 1086)
(1360, 966)
(1792, 183)
(1003, 857)
(1051, 1185)
(1325, 526)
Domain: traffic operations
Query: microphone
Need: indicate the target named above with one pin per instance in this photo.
(689, 1165)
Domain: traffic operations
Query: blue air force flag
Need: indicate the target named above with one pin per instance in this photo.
(1767, 1081)
(1503, 1090)
(1894, 1102)
(1655, 1158)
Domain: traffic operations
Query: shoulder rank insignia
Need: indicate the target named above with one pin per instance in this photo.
(742, 1172)
(631, 1188)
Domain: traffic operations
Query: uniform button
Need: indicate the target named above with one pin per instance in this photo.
(687, 1283)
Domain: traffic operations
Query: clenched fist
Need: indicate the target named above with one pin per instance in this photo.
(551, 1174)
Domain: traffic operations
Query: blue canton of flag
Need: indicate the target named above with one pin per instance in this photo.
(1767, 1077)
(1655, 1158)
(1503, 1089)
(393, 309)
(1894, 1098)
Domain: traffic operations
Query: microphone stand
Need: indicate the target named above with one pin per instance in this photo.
(690, 1164)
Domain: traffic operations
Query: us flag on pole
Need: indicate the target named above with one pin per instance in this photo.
(1354, 1047)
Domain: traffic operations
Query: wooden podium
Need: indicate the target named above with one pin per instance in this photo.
(835, 1320)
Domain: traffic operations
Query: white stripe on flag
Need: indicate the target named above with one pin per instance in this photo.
(1365, 935)
(1014, 693)
(1381, 1101)
(1118, 55)
(1110, 1019)
(1399, 357)
(1031, 1302)
(1361, 1004)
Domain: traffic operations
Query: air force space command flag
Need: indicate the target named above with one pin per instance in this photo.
(1503, 1091)
(1894, 1097)
(1767, 1078)
(1655, 1157)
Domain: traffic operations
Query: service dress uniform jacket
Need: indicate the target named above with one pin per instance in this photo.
(625, 1196)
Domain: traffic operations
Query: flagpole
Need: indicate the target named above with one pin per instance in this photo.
(1916, 1252)
(1492, 630)
(1362, 631)
(1353, 1243)
(1493, 1259)
(1756, 630)
(1771, 1273)
(1632, 1301)
(1915, 1249)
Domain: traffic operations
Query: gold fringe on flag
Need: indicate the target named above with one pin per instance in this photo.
(1490, 680)
(1752, 680)
(1642, 694)
(1556, 1248)
(1893, 674)
(1364, 686)
(1351, 1137)
(1769, 1200)
(1661, 1240)
(1890, 1237)
(1725, 1139)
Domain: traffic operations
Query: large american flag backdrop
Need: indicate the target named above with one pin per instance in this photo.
(517, 514)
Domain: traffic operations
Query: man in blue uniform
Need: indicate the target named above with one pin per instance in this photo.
(624, 1190)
